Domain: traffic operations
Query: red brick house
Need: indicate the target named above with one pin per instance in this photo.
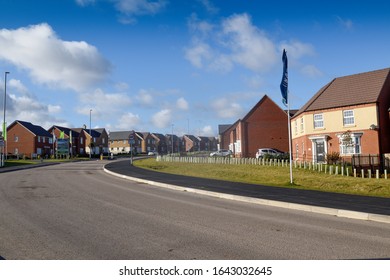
(264, 126)
(190, 143)
(29, 140)
(68, 133)
(349, 116)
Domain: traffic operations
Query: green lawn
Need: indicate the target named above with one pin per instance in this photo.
(274, 176)
(21, 162)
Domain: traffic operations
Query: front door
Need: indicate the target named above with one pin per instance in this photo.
(320, 150)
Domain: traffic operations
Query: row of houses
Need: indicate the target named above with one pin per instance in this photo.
(25, 139)
(348, 116)
(143, 142)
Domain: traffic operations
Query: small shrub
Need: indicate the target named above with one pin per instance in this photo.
(333, 158)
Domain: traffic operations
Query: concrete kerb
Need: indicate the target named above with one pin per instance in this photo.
(287, 205)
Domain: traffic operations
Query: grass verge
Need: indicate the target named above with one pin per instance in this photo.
(274, 176)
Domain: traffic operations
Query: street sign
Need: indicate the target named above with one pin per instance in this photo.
(132, 137)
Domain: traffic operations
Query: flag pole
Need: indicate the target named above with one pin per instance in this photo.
(286, 101)
(289, 140)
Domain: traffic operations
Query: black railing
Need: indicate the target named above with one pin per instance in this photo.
(373, 162)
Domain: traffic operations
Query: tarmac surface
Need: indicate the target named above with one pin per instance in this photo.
(343, 205)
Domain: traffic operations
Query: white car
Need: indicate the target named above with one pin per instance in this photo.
(221, 153)
(268, 151)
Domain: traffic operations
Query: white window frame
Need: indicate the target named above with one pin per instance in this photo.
(348, 117)
(302, 125)
(296, 127)
(353, 149)
(318, 120)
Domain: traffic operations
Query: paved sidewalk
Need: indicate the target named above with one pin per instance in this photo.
(352, 206)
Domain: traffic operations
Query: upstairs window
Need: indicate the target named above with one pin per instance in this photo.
(296, 127)
(318, 121)
(348, 117)
(302, 127)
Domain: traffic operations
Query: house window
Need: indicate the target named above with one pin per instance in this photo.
(81, 141)
(318, 121)
(350, 143)
(16, 138)
(296, 127)
(39, 139)
(103, 140)
(50, 140)
(348, 117)
(302, 127)
(44, 139)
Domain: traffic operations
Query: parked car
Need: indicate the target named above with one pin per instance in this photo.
(152, 153)
(268, 151)
(221, 153)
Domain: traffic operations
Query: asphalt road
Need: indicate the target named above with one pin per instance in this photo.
(76, 211)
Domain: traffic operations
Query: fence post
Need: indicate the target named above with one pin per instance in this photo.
(354, 172)
(362, 173)
(369, 173)
(386, 174)
(377, 174)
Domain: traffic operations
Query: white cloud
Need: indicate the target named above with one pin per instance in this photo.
(235, 41)
(54, 109)
(347, 24)
(296, 49)
(311, 71)
(84, 2)
(182, 104)
(128, 121)
(103, 104)
(207, 131)
(162, 119)
(140, 7)
(23, 105)
(210, 7)
(145, 98)
(249, 45)
(198, 53)
(52, 61)
(226, 108)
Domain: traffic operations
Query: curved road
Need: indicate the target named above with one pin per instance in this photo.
(77, 211)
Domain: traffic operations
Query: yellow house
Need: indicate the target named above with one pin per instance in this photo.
(349, 116)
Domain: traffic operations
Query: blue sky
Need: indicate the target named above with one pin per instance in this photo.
(154, 65)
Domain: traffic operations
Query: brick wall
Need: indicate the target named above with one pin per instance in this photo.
(20, 140)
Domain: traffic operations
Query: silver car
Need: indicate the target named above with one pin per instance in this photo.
(268, 151)
(221, 153)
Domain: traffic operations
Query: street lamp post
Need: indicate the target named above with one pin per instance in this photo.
(4, 107)
(90, 142)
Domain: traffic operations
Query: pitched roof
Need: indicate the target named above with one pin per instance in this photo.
(35, 129)
(66, 130)
(265, 97)
(357, 89)
(119, 135)
(223, 127)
